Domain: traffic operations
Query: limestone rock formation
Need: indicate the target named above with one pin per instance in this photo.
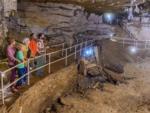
(61, 21)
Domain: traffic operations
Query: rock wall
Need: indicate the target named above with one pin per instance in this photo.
(56, 20)
(6, 8)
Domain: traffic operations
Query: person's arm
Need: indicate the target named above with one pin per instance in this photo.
(20, 56)
(37, 48)
(11, 55)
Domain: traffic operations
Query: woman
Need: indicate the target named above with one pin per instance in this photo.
(11, 50)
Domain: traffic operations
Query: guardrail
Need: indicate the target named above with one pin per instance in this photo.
(124, 26)
(62, 45)
(141, 44)
(66, 53)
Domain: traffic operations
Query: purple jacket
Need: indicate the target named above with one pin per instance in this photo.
(11, 55)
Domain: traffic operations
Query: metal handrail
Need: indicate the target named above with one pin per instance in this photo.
(3, 73)
(140, 44)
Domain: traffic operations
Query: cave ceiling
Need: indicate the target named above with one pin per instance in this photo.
(98, 6)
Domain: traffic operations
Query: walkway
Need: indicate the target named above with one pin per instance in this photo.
(54, 61)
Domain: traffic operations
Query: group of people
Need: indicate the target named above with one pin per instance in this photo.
(18, 53)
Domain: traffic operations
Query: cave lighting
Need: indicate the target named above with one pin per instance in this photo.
(109, 17)
(111, 34)
(88, 52)
(133, 49)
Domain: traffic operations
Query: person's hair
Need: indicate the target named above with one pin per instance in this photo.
(19, 46)
(39, 35)
(31, 35)
(10, 40)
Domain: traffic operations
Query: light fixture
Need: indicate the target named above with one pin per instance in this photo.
(133, 49)
(111, 34)
(109, 16)
(88, 52)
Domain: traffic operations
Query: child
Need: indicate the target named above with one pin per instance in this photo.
(22, 70)
(26, 51)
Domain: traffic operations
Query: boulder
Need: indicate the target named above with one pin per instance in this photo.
(117, 68)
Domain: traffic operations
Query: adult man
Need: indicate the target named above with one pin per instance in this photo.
(42, 59)
(33, 47)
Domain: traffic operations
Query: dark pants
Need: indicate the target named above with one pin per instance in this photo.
(22, 72)
(40, 62)
(13, 74)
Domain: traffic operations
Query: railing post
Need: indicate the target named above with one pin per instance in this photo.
(77, 41)
(123, 43)
(66, 60)
(145, 44)
(70, 46)
(70, 49)
(2, 88)
(28, 67)
(75, 52)
(45, 50)
(49, 63)
(81, 49)
(136, 44)
(85, 43)
(63, 46)
(91, 43)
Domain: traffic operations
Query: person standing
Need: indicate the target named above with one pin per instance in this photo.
(130, 14)
(10, 51)
(21, 69)
(33, 45)
(33, 48)
(26, 50)
(42, 59)
(41, 45)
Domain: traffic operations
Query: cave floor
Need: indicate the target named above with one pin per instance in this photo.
(132, 97)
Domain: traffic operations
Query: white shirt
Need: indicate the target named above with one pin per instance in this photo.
(41, 45)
